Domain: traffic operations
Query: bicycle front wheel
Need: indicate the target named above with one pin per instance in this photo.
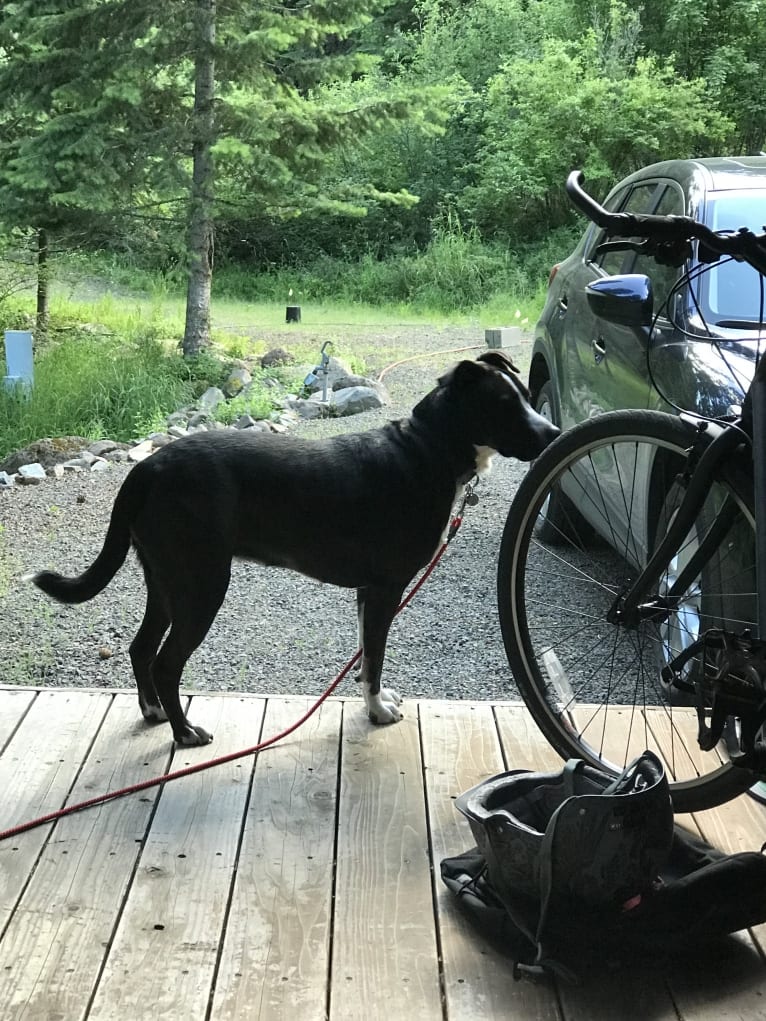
(594, 687)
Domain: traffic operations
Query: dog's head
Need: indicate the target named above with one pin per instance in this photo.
(495, 408)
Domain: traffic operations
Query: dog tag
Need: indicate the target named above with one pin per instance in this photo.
(472, 499)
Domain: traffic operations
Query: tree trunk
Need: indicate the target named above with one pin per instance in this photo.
(41, 318)
(200, 235)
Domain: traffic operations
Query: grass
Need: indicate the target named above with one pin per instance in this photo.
(458, 278)
(94, 388)
(111, 365)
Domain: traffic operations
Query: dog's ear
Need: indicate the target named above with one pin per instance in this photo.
(464, 374)
(499, 360)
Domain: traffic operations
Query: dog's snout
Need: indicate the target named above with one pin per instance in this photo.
(540, 432)
(550, 433)
(546, 433)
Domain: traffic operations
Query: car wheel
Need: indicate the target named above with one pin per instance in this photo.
(558, 520)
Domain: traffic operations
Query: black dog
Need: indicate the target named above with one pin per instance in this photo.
(380, 501)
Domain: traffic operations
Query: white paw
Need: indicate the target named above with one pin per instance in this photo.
(384, 707)
(193, 737)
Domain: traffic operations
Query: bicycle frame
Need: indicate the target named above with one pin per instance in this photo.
(631, 607)
(757, 398)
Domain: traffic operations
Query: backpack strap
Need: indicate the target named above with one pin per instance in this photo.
(542, 962)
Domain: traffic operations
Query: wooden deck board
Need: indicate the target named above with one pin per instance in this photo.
(171, 924)
(384, 940)
(302, 883)
(76, 891)
(276, 950)
(461, 748)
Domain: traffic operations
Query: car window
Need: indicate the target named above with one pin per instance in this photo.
(641, 199)
(662, 277)
(612, 204)
(731, 292)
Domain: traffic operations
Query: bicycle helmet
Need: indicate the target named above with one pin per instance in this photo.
(578, 834)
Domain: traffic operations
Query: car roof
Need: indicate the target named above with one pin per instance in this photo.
(712, 173)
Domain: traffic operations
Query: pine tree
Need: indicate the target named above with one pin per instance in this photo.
(121, 107)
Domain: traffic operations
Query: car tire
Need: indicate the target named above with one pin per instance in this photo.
(559, 520)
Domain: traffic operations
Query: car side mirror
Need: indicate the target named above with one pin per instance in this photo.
(626, 300)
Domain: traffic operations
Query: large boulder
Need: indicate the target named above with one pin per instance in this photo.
(47, 452)
(354, 399)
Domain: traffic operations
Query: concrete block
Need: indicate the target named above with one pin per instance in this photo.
(503, 336)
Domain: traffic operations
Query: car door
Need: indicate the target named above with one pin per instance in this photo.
(605, 363)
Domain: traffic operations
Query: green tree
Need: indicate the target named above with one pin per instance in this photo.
(577, 106)
(723, 41)
(125, 109)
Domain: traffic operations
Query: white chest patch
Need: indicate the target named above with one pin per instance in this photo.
(484, 457)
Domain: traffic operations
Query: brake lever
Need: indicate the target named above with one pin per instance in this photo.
(620, 246)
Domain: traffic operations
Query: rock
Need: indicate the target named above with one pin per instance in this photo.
(141, 451)
(346, 382)
(120, 453)
(160, 439)
(46, 452)
(178, 418)
(239, 379)
(31, 473)
(355, 399)
(197, 419)
(177, 431)
(277, 356)
(101, 447)
(244, 422)
(6, 481)
(211, 398)
(311, 409)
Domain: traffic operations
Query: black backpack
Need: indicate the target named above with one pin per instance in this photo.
(577, 868)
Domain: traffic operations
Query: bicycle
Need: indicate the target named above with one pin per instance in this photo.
(655, 643)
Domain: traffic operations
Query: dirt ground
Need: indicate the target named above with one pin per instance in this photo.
(277, 632)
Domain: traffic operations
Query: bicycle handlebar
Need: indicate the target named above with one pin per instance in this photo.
(671, 232)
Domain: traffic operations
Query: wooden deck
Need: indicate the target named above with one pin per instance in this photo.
(301, 884)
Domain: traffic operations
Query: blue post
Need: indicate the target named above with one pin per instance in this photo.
(18, 358)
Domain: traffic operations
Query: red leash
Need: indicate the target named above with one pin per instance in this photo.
(101, 799)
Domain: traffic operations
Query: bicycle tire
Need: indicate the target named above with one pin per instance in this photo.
(560, 649)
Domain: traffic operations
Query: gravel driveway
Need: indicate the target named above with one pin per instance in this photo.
(277, 631)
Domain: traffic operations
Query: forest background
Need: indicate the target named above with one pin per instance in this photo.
(406, 153)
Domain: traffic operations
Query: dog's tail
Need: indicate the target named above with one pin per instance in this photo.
(111, 558)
